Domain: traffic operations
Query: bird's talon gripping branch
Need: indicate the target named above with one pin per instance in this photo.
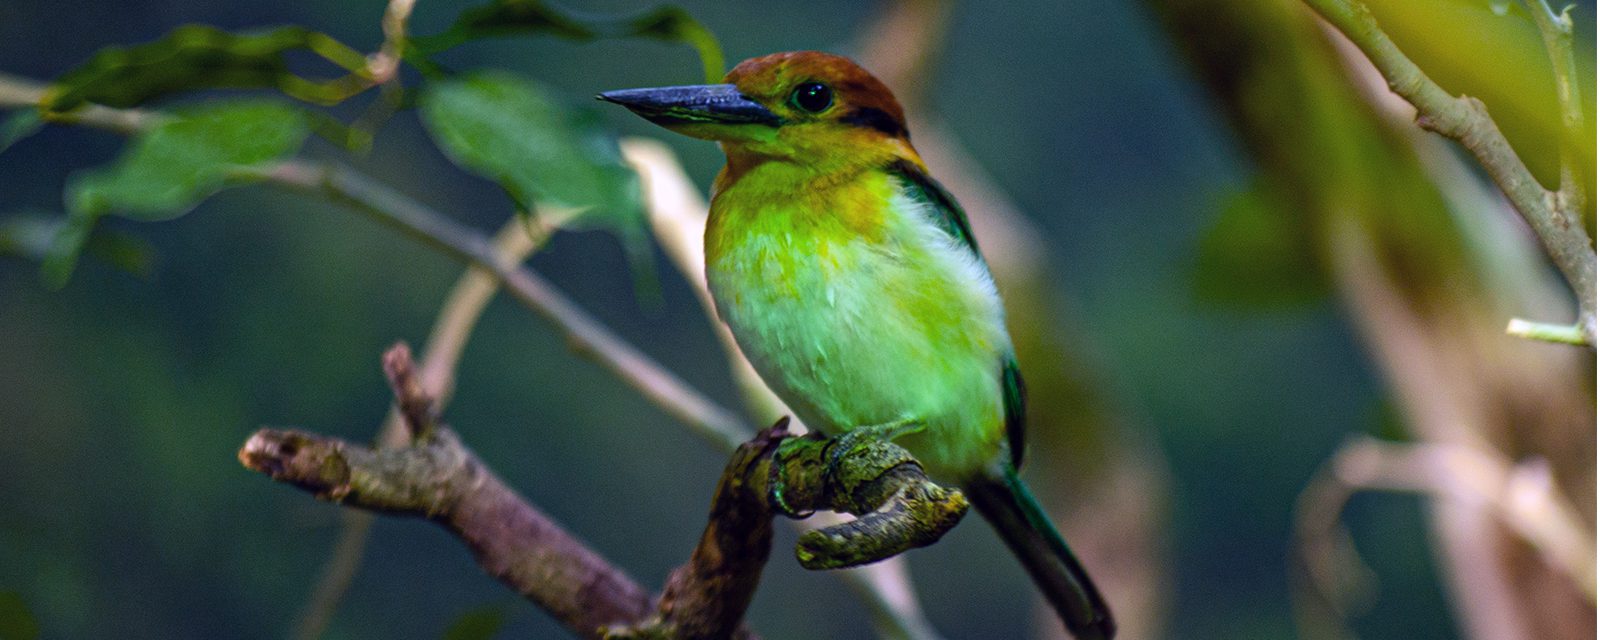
(847, 444)
(776, 475)
(863, 474)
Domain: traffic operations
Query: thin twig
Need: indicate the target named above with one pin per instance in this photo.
(1556, 30)
(585, 334)
(19, 92)
(1465, 119)
(385, 64)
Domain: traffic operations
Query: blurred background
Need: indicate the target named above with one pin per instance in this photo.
(1225, 250)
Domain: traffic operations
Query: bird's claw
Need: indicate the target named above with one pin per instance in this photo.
(845, 444)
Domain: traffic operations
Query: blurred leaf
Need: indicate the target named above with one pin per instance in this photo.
(29, 235)
(19, 125)
(482, 623)
(61, 258)
(16, 622)
(517, 17)
(55, 241)
(204, 57)
(1257, 255)
(512, 131)
(165, 171)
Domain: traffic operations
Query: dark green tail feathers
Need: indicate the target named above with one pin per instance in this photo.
(1008, 506)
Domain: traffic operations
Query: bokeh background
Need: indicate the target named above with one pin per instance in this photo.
(1124, 133)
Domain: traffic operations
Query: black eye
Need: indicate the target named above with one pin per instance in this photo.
(814, 97)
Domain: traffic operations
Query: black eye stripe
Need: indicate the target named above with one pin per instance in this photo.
(874, 118)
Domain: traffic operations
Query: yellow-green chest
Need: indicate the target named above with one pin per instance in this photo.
(857, 311)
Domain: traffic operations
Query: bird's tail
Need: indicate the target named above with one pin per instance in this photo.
(1008, 505)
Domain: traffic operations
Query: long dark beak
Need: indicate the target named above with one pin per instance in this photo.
(693, 104)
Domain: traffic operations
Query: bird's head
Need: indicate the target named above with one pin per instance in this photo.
(802, 106)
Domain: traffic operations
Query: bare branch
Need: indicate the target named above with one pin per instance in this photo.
(436, 375)
(415, 404)
(1521, 496)
(1551, 216)
(440, 479)
(1556, 30)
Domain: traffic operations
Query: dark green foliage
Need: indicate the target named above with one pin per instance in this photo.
(522, 17)
(203, 57)
(515, 132)
(168, 169)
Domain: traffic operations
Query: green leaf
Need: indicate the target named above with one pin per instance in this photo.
(518, 17)
(514, 132)
(1258, 254)
(19, 125)
(481, 623)
(204, 57)
(165, 171)
(56, 241)
(16, 622)
(61, 258)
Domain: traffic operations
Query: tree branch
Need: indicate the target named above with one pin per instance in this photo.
(1556, 30)
(1552, 216)
(436, 376)
(438, 478)
(777, 473)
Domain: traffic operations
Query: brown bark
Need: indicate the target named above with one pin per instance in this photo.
(437, 477)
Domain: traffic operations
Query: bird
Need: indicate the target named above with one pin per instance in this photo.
(851, 280)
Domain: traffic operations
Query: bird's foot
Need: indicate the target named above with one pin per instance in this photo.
(852, 441)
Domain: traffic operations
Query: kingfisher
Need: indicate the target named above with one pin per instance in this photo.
(851, 280)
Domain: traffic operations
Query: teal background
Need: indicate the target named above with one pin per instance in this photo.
(124, 513)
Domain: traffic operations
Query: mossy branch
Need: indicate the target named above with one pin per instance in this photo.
(1554, 216)
(436, 477)
(777, 473)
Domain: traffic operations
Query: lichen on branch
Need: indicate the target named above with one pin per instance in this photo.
(437, 477)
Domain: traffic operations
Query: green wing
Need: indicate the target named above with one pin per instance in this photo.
(1015, 399)
(950, 217)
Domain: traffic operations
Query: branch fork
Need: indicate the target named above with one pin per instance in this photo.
(436, 477)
